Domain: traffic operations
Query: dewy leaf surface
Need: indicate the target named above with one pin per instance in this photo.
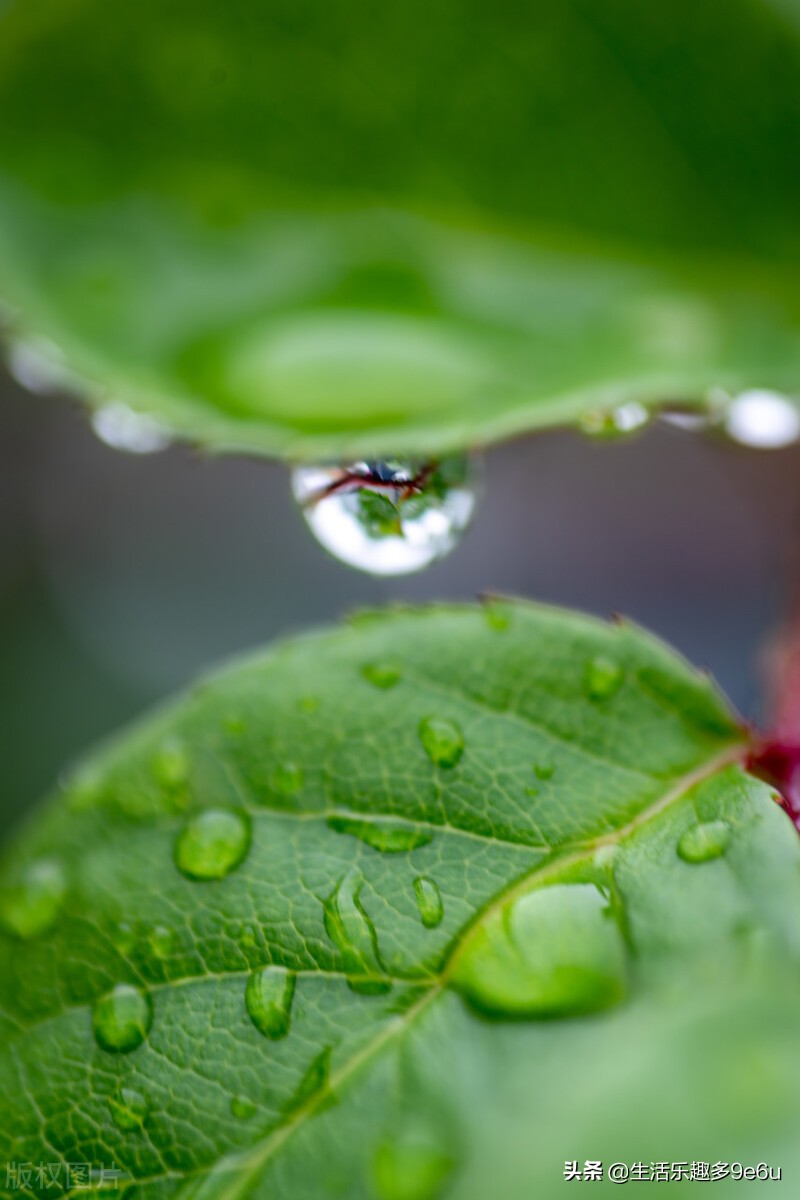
(403, 974)
(329, 229)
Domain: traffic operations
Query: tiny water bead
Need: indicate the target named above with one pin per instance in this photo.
(212, 844)
(763, 420)
(162, 941)
(442, 741)
(390, 516)
(382, 675)
(171, 766)
(390, 837)
(429, 901)
(242, 1108)
(704, 841)
(556, 951)
(287, 777)
(602, 677)
(617, 422)
(122, 428)
(122, 1018)
(544, 769)
(268, 1000)
(129, 1109)
(32, 906)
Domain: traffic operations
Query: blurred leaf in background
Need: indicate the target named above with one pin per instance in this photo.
(315, 229)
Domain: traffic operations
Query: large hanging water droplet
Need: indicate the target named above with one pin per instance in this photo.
(268, 999)
(129, 1109)
(351, 930)
(122, 428)
(388, 517)
(556, 951)
(411, 1166)
(429, 901)
(212, 844)
(390, 837)
(31, 907)
(762, 419)
(442, 740)
(122, 1019)
(704, 841)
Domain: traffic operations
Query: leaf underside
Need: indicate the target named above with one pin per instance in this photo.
(327, 230)
(517, 901)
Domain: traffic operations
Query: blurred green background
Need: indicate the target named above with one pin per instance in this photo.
(122, 577)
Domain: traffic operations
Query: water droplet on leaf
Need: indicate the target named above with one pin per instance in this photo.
(129, 1109)
(390, 837)
(442, 740)
(544, 770)
(287, 778)
(704, 841)
(762, 419)
(39, 367)
(556, 951)
(171, 766)
(411, 1167)
(268, 999)
(382, 675)
(122, 1018)
(212, 844)
(429, 901)
(122, 428)
(602, 678)
(31, 907)
(388, 517)
(351, 930)
(162, 941)
(242, 1108)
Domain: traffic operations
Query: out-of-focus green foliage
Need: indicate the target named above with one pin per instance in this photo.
(422, 907)
(318, 229)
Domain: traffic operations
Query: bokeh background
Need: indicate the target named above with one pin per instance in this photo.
(122, 577)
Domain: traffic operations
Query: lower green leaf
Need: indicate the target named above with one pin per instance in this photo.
(283, 941)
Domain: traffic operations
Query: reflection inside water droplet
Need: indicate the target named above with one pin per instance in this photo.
(122, 428)
(762, 419)
(388, 517)
(121, 1019)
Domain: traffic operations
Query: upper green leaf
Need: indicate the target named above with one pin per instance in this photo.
(425, 906)
(314, 229)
